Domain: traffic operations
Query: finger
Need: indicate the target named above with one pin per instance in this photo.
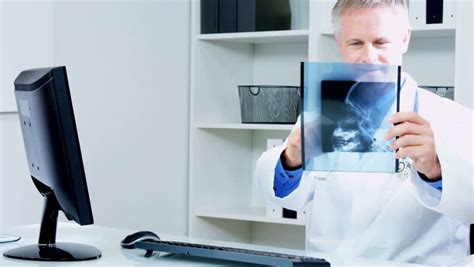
(312, 141)
(407, 128)
(296, 134)
(413, 152)
(409, 140)
(296, 130)
(294, 142)
(407, 116)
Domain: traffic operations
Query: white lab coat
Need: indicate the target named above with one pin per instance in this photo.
(391, 216)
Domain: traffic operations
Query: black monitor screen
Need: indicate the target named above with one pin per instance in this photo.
(54, 161)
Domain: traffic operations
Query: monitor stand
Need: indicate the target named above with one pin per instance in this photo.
(47, 249)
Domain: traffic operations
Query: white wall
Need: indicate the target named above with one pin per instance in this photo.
(128, 68)
(464, 61)
(430, 61)
(25, 42)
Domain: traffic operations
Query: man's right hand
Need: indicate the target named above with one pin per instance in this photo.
(292, 153)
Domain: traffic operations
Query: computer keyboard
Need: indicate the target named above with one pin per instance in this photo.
(228, 253)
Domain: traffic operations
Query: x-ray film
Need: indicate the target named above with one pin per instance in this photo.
(344, 119)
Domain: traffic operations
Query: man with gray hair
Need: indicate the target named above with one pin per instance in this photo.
(421, 215)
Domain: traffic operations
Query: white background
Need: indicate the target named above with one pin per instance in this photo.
(128, 70)
(128, 67)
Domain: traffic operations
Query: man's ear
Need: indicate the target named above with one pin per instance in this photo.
(406, 40)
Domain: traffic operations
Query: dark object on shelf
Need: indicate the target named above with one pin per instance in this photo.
(434, 11)
(443, 91)
(227, 16)
(290, 214)
(209, 16)
(269, 104)
(263, 15)
(471, 239)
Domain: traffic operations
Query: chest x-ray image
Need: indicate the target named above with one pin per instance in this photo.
(344, 118)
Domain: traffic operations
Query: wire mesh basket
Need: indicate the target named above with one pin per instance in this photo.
(443, 91)
(269, 103)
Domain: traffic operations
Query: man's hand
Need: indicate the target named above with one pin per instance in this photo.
(292, 153)
(416, 141)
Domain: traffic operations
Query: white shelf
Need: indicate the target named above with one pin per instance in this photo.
(218, 140)
(253, 214)
(433, 33)
(291, 36)
(8, 112)
(422, 33)
(244, 126)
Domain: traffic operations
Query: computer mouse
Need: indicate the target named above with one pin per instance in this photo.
(130, 240)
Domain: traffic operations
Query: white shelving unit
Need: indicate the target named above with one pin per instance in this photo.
(223, 200)
(243, 213)
(224, 203)
(248, 126)
(259, 37)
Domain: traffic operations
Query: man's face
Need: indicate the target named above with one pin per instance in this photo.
(373, 36)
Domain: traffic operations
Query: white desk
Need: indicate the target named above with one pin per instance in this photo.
(108, 240)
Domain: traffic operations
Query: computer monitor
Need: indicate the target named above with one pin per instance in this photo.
(54, 162)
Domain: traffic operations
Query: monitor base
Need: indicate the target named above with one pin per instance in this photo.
(57, 252)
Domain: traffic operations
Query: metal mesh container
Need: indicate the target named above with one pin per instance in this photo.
(443, 91)
(269, 103)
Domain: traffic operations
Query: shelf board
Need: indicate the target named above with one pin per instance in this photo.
(431, 33)
(245, 126)
(423, 33)
(8, 112)
(291, 36)
(253, 214)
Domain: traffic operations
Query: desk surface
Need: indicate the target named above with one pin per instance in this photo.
(108, 240)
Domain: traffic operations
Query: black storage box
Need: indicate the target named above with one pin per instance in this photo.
(263, 15)
(227, 16)
(269, 103)
(223, 16)
(209, 16)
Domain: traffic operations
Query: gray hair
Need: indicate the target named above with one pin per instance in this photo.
(344, 5)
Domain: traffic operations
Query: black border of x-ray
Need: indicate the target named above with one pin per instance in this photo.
(399, 74)
(303, 90)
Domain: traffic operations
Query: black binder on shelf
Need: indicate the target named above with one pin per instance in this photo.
(263, 15)
(434, 11)
(209, 16)
(246, 15)
(227, 16)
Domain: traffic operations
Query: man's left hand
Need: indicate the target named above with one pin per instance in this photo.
(416, 141)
